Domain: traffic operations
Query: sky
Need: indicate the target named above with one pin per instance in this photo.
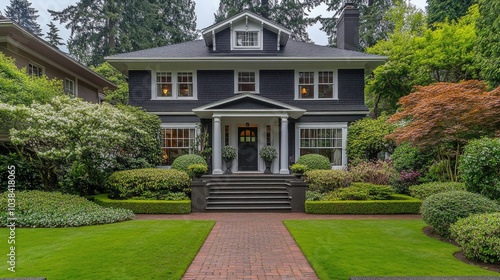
(205, 10)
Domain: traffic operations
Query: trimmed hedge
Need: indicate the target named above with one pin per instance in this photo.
(423, 191)
(401, 204)
(183, 162)
(327, 180)
(479, 236)
(146, 206)
(315, 162)
(443, 209)
(149, 182)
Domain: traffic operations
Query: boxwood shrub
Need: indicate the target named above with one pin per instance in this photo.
(361, 191)
(425, 190)
(479, 236)
(146, 206)
(443, 209)
(54, 209)
(400, 204)
(149, 182)
(327, 180)
(315, 162)
(183, 162)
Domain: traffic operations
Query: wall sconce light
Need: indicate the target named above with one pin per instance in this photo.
(303, 91)
(247, 125)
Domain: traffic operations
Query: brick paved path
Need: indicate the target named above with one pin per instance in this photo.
(252, 246)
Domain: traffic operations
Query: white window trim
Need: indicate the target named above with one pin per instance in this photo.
(194, 126)
(175, 93)
(259, 38)
(74, 87)
(316, 84)
(257, 79)
(333, 125)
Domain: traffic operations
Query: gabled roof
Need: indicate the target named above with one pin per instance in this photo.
(208, 32)
(35, 45)
(248, 105)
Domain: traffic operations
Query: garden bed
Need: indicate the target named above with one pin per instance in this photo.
(400, 204)
(146, 206)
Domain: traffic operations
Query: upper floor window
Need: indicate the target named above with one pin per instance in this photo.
(246, 81)
(34, 70)
(316, 85)
(174, 85)
(69, 87)
(247, 39)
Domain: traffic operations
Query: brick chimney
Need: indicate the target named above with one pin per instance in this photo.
(348, 28)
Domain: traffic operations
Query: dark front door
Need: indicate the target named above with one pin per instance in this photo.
(247, 149)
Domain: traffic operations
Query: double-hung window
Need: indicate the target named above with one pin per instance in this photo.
(316, 85)
(246, 81)
(173, 85)
(175, 142)
(69, 87)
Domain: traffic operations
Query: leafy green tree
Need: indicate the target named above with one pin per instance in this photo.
(17, 87)
(53, 37)
(101, 28)
(488, 41)
(366, 138)
(443, 10)
(75, 145)
(120, 95)
(23, 14)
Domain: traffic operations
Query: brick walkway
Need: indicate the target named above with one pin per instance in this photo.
(253, 246)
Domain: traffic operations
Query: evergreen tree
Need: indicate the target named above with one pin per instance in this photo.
(487, 48)
(442, 10)
(23, 14)
(102, 28)
(53, 37)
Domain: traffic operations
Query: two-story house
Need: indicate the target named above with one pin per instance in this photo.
(253, 86)
(40, 58)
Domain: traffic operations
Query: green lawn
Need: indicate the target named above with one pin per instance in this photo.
(338, 249)
(127, 250)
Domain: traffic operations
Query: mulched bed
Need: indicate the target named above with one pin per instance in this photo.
(461, 255)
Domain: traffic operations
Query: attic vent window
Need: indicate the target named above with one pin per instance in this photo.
(247, 38)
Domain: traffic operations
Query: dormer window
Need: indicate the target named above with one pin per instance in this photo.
(247, 39)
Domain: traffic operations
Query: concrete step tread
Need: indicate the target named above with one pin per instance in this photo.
(250, 197)
(250, 208)
(248, 202)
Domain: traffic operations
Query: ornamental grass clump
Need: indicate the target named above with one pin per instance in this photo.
(53, 209)
(443, 209)
(479, 236)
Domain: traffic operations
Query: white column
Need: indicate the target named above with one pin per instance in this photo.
(284, 146)
(216, 152)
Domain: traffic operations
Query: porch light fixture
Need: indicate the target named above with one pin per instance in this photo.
(247, 125)
(303, 91)
(164, 89)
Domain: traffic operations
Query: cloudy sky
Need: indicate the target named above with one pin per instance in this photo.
(205, 10)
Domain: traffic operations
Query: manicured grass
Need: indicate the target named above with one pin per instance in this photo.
(338, 249)
(127, 250)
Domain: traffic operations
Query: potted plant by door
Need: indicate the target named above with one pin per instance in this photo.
(267, 154)
(228, 154)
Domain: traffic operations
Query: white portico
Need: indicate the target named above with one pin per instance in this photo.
(249, 122)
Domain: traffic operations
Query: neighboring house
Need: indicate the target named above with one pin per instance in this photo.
(253, 86)
(41, 58)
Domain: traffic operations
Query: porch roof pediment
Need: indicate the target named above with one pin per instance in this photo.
(248, 104)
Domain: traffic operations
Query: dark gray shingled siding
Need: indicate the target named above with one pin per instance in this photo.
(223, 41)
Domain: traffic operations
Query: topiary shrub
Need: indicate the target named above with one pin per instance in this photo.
(54, 209)
(147, 183)
(443, 209)
(375, 172)
(479, 236)
(425, 190)
(315, 162)
(361, 191)
(183, 162)
(480, 167)
(327, 180)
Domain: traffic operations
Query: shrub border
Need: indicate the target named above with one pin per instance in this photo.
(146, 206)
(402, 204)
